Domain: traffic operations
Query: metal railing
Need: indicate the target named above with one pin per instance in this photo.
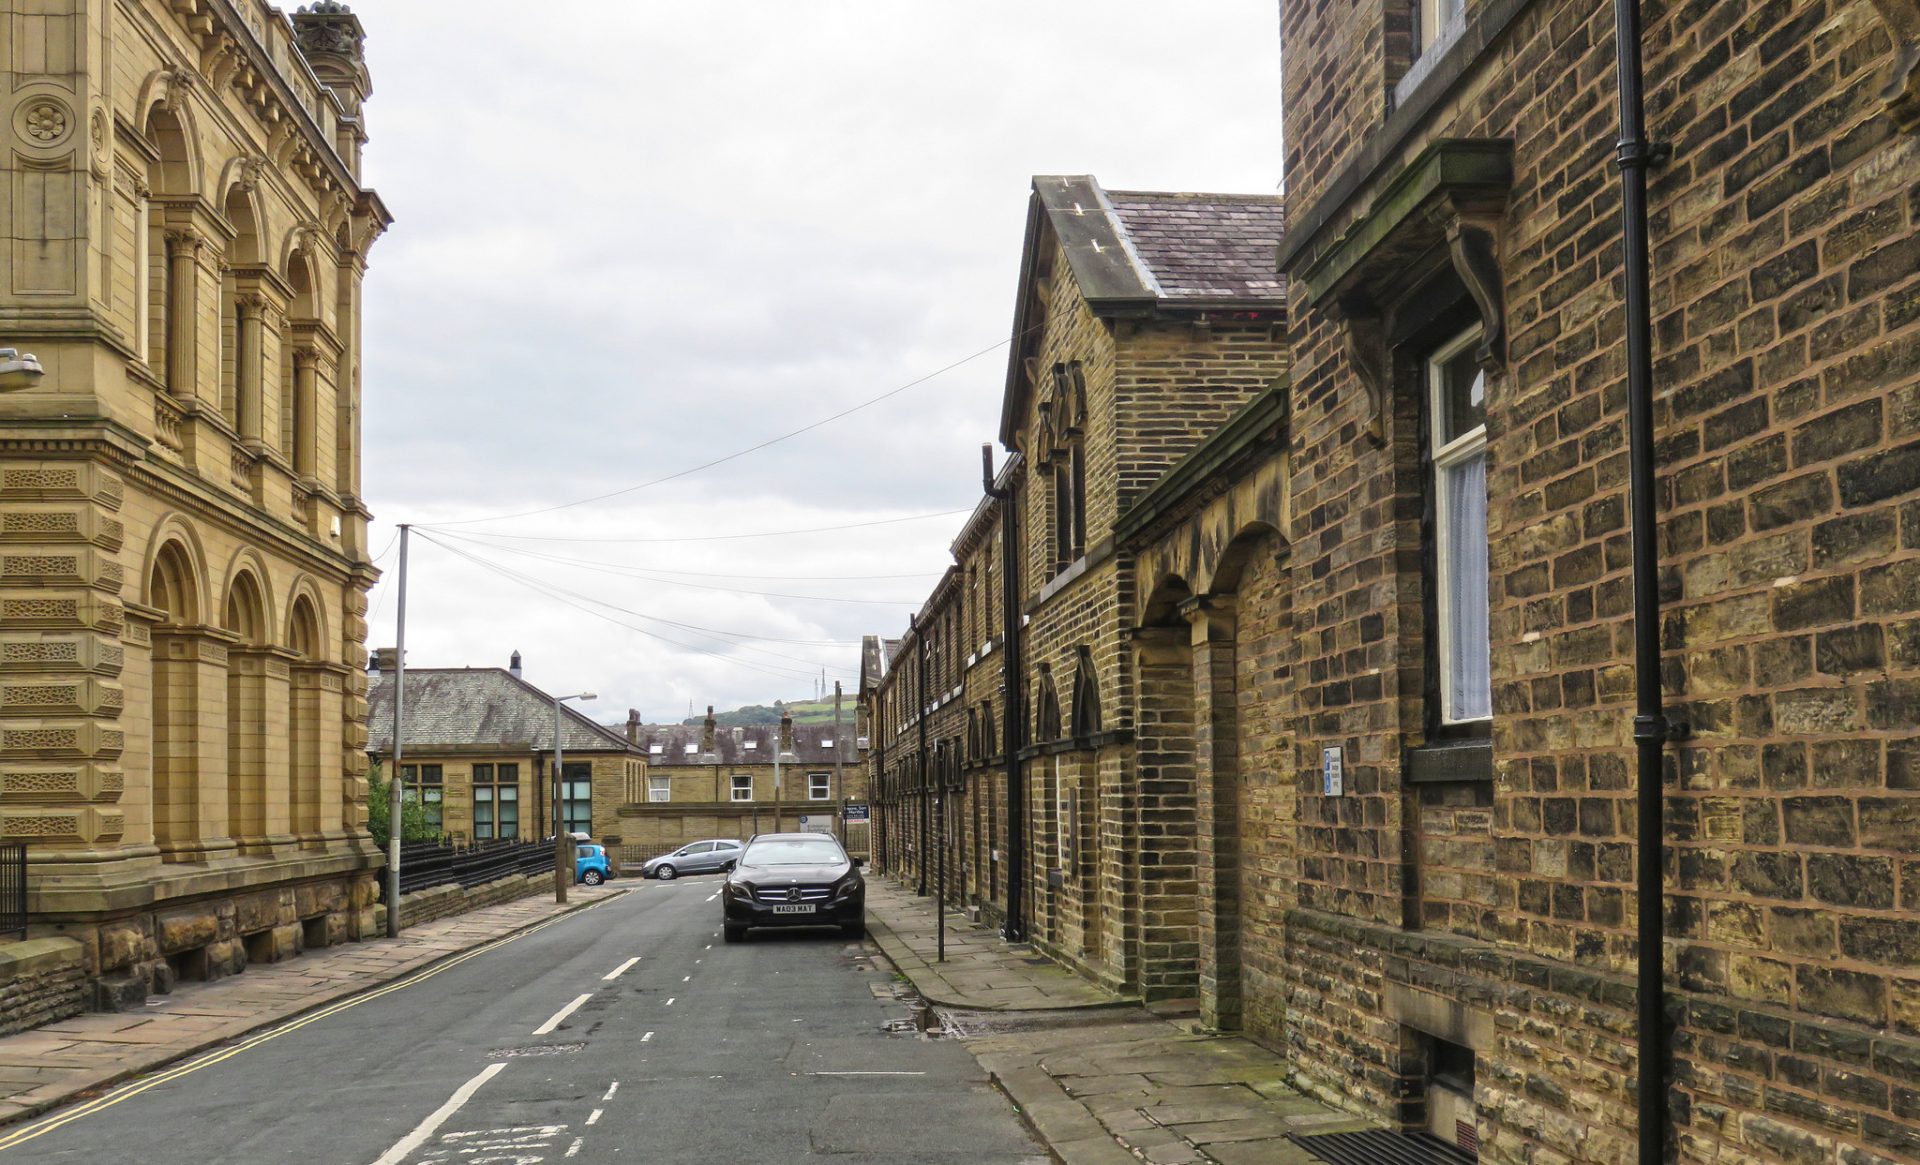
(13, 889)
(426, 864)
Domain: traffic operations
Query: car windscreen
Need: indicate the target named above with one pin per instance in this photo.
(798, 852)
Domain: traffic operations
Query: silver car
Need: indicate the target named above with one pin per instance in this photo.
(696, 857)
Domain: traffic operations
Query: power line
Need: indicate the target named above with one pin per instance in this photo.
(703, 537)
(641, 572)
(846, 412)
(552, 591)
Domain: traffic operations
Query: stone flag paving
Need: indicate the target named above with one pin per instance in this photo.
(49, 1066)
(1104, 1081)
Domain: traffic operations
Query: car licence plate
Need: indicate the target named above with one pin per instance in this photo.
(806, 908)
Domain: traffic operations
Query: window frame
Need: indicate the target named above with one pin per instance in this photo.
(658, 785)
(819, 786)
(734, 788)
(1444, 454)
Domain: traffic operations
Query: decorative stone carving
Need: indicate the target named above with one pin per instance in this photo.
(44, 121)
(1366, 349)
(1472, 242)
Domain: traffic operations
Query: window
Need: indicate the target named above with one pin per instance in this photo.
(496, 802)
(427, 780)
(655, 749)
(1457, 406)
(1436, 21)
(742, 787)
(819, 786)
(576, 798)
(659, 788)
(692, 748)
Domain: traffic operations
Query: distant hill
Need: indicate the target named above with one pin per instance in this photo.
(802, 711)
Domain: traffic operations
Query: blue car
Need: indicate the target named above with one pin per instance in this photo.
(590, 864)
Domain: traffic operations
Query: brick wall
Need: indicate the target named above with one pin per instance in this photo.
(41, 981)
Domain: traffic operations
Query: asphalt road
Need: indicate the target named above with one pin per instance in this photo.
(624, 1032)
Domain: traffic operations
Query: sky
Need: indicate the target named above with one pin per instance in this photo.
(632, 239)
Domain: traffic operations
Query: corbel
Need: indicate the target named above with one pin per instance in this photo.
(1473, 245)
(1366, 348)
(1901, 91)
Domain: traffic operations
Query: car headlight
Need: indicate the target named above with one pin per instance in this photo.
(740, 889)
(847, 885)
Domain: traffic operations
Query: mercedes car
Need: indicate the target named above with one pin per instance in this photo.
(794, 879)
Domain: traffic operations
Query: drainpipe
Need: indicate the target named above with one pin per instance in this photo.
(920, 702)
(1650, 728)
(1016, 926)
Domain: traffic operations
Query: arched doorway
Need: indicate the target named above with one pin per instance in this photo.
(1165, 755)
(173, 590)
(247, 806)
(303, 718)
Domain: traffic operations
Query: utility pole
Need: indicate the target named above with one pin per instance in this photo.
(394, 811)
(562, 836)
(839, 769)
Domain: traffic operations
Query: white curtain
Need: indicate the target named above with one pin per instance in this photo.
(1469, 665)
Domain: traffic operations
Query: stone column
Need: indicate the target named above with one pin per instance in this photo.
(183, 269)
(305, 423)
(247, 357)
(1166, 810)
(1217, 784)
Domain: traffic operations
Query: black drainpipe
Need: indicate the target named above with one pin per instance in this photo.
(1635, 154)
(920, 707)
(1010, 707)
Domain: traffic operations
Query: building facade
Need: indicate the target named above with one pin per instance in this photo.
(479, 752)
(707, 781)
(185, 569)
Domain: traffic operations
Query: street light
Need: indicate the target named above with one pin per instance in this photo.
(562, 838)
(18, 371)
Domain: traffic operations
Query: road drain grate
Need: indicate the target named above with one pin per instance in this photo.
(534, 1050)
(1381, 1147)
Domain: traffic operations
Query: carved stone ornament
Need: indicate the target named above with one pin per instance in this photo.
(1473, 244)
(44, 121)
(1366, 350)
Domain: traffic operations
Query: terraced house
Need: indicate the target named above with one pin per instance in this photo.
(184, 571)
(1362, 779)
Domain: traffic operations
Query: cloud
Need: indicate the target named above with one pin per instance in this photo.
(633, 238)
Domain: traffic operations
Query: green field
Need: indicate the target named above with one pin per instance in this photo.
(802, 711)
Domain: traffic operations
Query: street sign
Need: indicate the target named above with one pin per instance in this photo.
(1333, 778)
(856, 814)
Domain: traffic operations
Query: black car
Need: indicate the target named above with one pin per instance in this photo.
(794, 879)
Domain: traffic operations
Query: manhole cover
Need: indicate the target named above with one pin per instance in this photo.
(534, 1050)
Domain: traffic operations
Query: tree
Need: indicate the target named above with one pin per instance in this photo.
(413, 814)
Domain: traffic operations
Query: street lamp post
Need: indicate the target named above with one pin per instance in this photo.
(562, 837)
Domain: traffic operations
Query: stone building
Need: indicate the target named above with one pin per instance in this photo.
(1459, 935)
(184, 576)
(1143, 321)
(709, 781)
(479, 751)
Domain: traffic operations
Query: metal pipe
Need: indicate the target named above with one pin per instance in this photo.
(562, 839)
(1015, 929)
(1650, 727)
(920, 700)
(394, 810)
(940, 910)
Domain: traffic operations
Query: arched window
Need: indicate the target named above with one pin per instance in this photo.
(247, 804)
(303, 718)
(1086, 696)
(303, 400)
(173, 589)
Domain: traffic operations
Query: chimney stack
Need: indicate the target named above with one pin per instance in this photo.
(513, 665)
(706, 735)
(385, 659)
(633, 726)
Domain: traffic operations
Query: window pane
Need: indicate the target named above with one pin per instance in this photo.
(1464, 551)
(1463, 397)
(509, 825)
(507, 772)
(482, 774)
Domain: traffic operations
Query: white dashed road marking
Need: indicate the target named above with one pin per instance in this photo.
(563, 1013)
(438, 1117)
(645, 1038)
(611, 1089)
(619, 970)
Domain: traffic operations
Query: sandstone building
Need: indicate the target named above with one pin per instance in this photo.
(710, 781)
(479, 752)
(1361, 776)
(184, 569)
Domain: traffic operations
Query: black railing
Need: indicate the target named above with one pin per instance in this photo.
(13, 888)
(426, 864)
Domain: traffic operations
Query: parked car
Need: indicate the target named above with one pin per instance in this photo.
(591, 865)
(698, 857)
(794, 879)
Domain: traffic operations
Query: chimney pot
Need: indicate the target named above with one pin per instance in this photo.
(513, 665)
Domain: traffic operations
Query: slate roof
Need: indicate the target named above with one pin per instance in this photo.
(1205, 246)
(813, 744)
(462, 707)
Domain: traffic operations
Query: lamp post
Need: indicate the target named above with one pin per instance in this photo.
(562, 837)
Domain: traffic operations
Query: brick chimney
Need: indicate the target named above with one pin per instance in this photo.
(633, 726)
(513, 665)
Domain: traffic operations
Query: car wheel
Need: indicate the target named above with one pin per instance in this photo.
(592, 878)
(666, 873)
(733, 933)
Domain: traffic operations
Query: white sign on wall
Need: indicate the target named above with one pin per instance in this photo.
(1333, 777)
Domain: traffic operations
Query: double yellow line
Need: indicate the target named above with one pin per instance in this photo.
(42, 1127)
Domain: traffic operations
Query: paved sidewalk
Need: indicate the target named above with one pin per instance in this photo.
(49, 1066)
(1103, 1081)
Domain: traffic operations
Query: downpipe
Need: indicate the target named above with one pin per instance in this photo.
(1650, 727)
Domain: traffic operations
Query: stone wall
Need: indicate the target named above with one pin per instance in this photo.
(443, 901)
(41, 980)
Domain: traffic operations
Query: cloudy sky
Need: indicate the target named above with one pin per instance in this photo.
(635, 238)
